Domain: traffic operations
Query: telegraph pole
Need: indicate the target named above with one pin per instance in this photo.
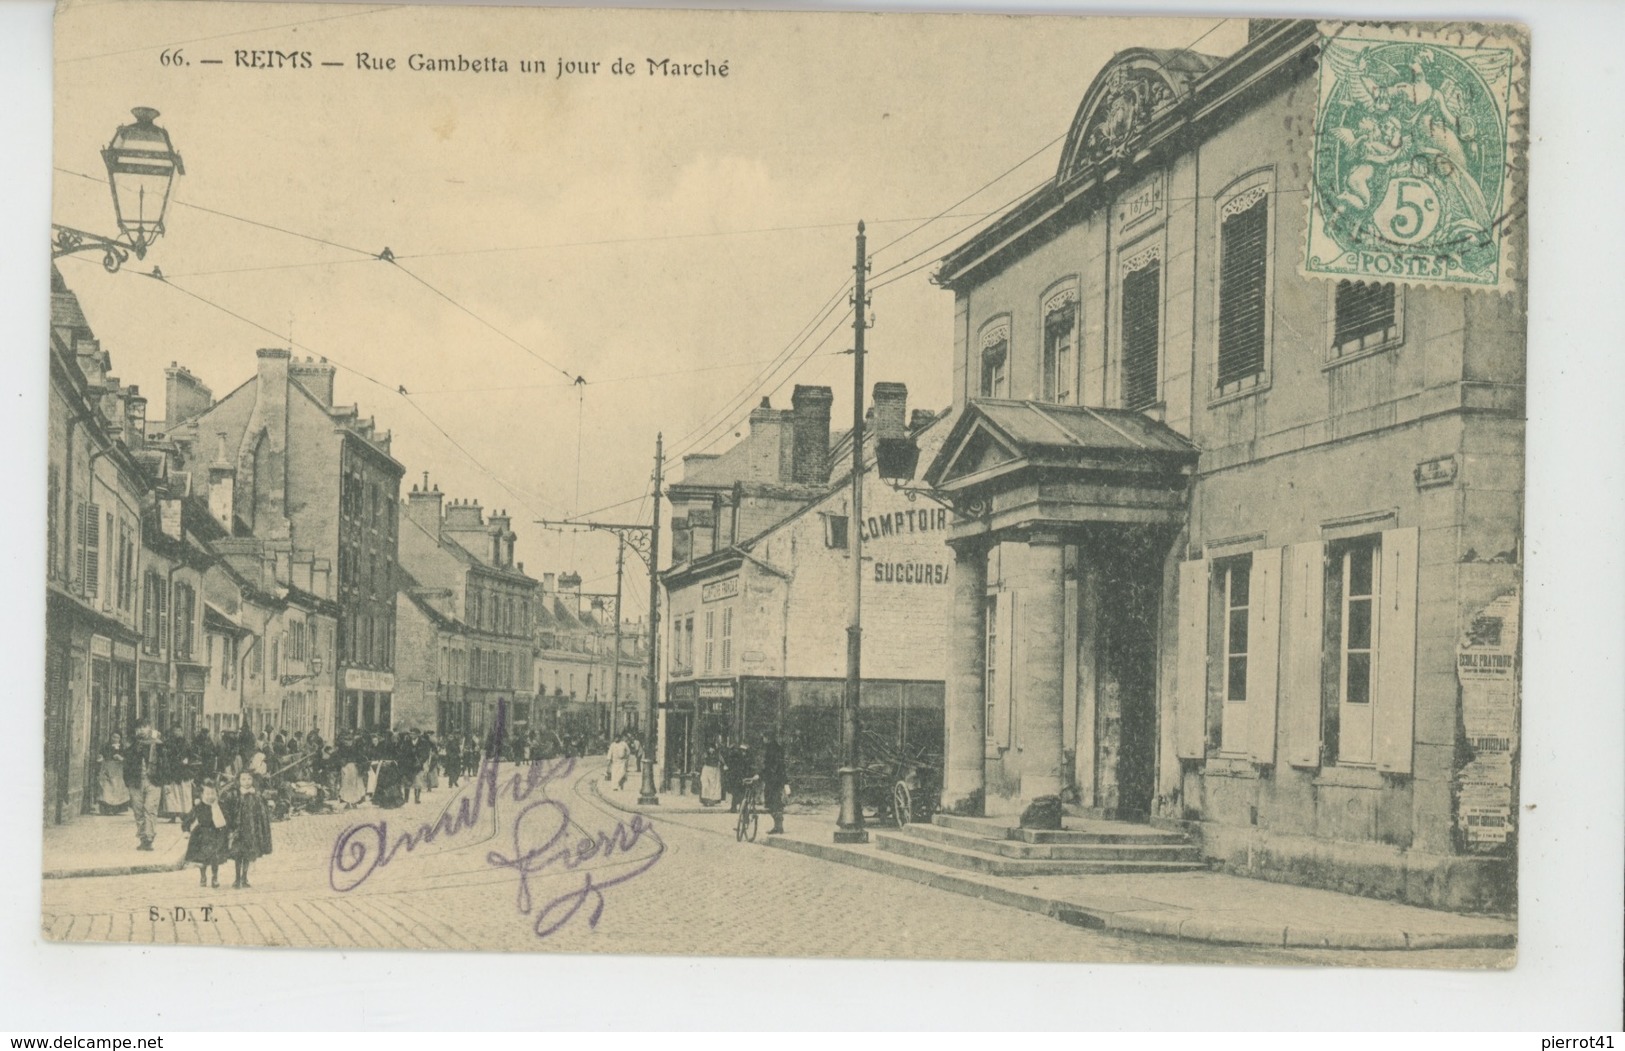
(647, 794)
(849, 823)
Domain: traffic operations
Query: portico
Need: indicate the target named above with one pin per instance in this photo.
(1067, 517)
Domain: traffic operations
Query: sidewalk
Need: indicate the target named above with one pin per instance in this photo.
(93, 845)
(672, 803)
(1194, 906)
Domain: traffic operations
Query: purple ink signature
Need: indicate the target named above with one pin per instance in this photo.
(540, 831)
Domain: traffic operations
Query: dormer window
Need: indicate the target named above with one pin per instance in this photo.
(995, 360)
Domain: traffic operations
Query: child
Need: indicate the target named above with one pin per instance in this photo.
(207, 847)
(249, 821)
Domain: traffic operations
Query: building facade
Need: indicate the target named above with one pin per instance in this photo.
(467, 609)
(316, 486)
(1236, 548)
(581, 688)
(757, 613)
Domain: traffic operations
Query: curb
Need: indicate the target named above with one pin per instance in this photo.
(117, 870)
(655, 811)
(1183, 927)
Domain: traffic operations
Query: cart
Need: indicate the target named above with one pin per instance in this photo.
(898, 786)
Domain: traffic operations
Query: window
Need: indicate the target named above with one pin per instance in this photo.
(835, 531)
(677, 644)
(995, 352)
(710, 633)
(1060, 336)
(1366, 317)
(90, 549)
(185, 615)
(1142, 304)
(276, 658)
(991, 661)
(727, 639)
(1233, 580)
(688, 655)
(1243, 287)
(1352, 608)
(53, 494)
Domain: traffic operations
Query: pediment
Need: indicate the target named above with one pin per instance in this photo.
(980, 450)
(1136, 87)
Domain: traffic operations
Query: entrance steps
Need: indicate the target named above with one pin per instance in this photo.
(1080, 847)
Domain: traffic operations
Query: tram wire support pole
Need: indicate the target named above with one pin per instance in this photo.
(849, 822)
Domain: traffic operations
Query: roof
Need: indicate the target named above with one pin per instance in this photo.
(995, 434)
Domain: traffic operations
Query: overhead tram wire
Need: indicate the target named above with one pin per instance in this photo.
(514, 491)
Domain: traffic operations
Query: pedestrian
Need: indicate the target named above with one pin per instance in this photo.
(774, 782)
(210, 839)
(176, 774)
(454, 760)
(619, 753)
(140, 767)
(248, 821)
(711, 774)
(425, 756)
(112, 794)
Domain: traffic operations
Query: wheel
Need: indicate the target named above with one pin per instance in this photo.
(902, 804)
(746, 825)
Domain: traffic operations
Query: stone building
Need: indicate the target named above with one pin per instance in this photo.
(1238, 549)
(316, 488)
(760, 592)
(577, 679)
(465, 609)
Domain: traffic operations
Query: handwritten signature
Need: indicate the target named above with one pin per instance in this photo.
(541, 831)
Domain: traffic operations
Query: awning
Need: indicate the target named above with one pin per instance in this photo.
(220, 624)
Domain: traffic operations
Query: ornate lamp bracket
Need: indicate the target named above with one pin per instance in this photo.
(67, 241)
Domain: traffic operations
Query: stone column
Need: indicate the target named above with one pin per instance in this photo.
(1039, 694)
(965, 709)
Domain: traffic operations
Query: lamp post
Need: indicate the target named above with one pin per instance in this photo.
(141, 168)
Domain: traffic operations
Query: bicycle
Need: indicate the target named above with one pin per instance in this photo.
(750, 809)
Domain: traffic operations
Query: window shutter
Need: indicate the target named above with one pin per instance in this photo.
(1396, 652)
(93, 550)
(1263, 652)
(1242, 273)
(79, 547)
(1190, 713)
(1302, 618)
(1362, 309)
(161, 588)
(1004, 710)
(1141, 318)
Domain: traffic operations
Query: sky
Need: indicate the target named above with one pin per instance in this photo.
(666, 238)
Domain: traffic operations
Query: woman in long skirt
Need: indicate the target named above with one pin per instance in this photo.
(711, 775)
(112, 794)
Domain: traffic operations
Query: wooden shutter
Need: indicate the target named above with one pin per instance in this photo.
(1394, 717)
(1263, 653)
(1005, 700)
(1243, 266)
(93, 550)
(1362, 309)
(1302, 620)
(1190, 715)
(1142, 300)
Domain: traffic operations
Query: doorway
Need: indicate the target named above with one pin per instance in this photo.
(1126, 704)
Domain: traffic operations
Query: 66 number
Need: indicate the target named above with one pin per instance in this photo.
(171, 57)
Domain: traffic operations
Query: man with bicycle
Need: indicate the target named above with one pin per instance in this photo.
(774, 780)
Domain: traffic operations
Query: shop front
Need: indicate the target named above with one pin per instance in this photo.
(367, 699)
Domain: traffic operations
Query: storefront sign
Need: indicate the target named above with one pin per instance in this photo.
(368, 679)
(911, 573)
(681, 695)
(902, 523)
(101, 646)
(1486, 668)
(123, 651)
(718, 590)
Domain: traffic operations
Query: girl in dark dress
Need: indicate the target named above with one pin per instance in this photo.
(207, 847)
(249, 821)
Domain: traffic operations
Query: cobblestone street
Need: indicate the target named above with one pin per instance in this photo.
(700, 892)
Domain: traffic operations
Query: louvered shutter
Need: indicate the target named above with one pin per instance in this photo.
(1141, 302)
(1263, 653)
(93, 550)
(1362, 309)
(1190, 714)
(1394, 717)
(1302, 619)
(162, 589)
(1243, 264)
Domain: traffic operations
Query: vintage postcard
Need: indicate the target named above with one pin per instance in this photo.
(804, 484)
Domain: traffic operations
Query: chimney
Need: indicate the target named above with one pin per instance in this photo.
(464, 516)
(320, 575)
(423, 507)
(702, 522)
(549, 583)
(501, 539)
(920, 418)
(890, 410)
(185, 396)
(303, 564)
(316, 377)
(809, 411)
(222, 485)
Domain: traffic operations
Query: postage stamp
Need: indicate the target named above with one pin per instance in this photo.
(1414, 156)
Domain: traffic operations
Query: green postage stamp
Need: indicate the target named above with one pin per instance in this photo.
(1418, 157)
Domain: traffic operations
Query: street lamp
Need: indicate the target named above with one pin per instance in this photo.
(141, 168)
